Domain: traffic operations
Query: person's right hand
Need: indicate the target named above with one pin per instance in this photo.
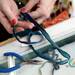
(9, 16)
(43, 10)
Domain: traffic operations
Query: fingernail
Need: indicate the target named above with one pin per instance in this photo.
(31, 26)
(10, 31)
(13, 21)
(22, 29)
(23, 10)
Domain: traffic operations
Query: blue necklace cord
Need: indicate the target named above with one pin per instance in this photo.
(45, 34)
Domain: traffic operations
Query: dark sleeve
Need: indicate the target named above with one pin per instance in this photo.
(3, 34)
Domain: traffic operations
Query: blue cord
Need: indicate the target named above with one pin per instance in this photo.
(45, 34)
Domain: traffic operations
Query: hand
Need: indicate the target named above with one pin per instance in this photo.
(44, 8)
(9, 16)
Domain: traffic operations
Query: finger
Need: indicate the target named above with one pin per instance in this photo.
(51, 7)
(19, 29)
(14, 7)
(5, 22)
(7, 11)
(44, 9)
(25, 25)
(37, 13)
(29, 5)
(41, 19)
